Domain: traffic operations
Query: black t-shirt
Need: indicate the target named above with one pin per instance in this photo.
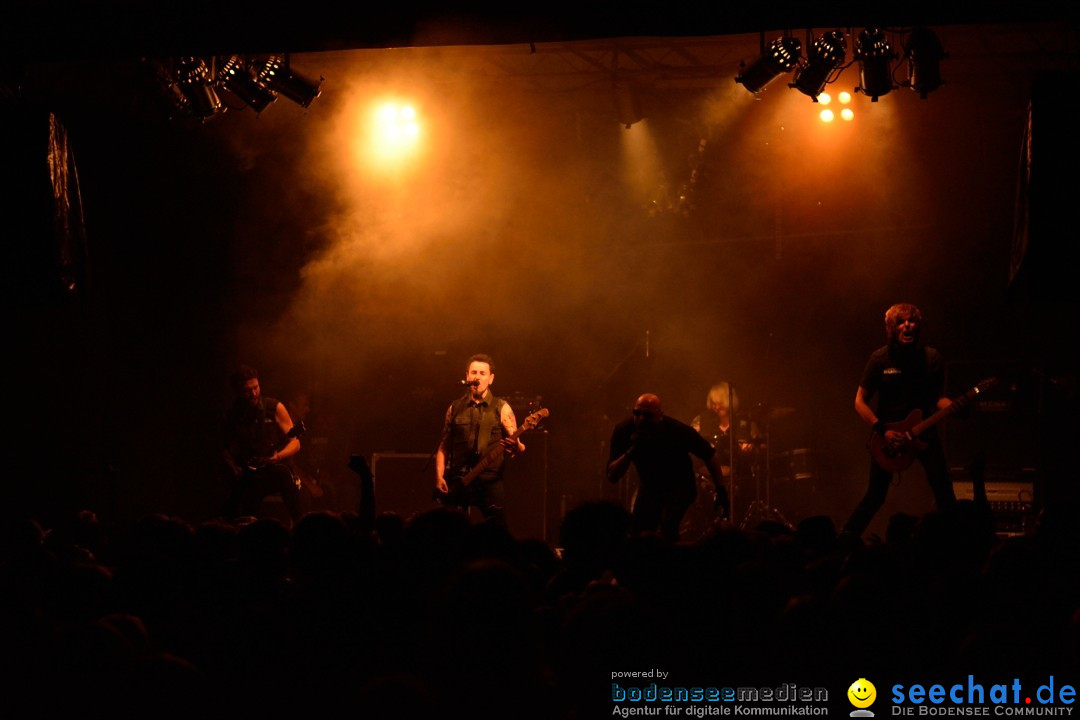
(904, 381)
(661, 454)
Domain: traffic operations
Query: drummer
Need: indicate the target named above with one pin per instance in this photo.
(714, 424)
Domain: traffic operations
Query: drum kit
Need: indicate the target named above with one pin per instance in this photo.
(751, 488)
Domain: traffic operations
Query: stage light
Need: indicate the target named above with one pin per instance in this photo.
(398, 126)
(826, 54)
(782, 56)
(276, 75)
(843, 98)
(394, 135)
(237, 77)
(875, 56)
(193, 79)
(162, 77)
(924, 54)
(627, 103)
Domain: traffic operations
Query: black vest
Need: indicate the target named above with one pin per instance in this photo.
(253, 432)
(473, 431)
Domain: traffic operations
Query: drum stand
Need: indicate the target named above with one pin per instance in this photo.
(761, 510)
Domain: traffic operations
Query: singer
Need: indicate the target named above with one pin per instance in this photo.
(474, 423)
(660, 447)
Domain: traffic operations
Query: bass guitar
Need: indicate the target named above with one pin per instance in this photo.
(897, 458)
(462, 480)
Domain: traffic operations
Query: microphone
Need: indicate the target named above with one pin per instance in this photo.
(474, 383)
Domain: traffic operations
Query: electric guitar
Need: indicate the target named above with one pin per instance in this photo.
(467, 474)
(897, 458)
(257, 463)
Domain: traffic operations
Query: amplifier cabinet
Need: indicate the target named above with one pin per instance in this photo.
(1012, 503)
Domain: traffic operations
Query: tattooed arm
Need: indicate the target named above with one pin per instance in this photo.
(510, 426)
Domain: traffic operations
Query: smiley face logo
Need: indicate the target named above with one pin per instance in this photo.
(862, 693)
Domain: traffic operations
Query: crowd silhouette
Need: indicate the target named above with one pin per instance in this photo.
(433, 614)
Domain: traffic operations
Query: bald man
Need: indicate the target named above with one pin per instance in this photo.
(659, 447)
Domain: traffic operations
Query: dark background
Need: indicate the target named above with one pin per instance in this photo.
(528, 232)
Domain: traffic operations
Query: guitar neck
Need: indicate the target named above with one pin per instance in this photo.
(497, 450)
(485, 462)
(490, 456)
(944, 412)
(932, 420)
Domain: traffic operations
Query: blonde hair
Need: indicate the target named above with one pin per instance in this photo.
(718, 395)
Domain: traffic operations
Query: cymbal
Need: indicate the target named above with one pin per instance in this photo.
(772, 412)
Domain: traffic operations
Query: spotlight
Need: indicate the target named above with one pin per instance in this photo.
(825, 55)
(161, 77)
(193, 80)
(236, 77)
(875, 56)
(924, 53)
(627, 103)
(783, 55)
(276, 75)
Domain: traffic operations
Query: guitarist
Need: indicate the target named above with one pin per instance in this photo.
(904, 375)
(257, 436)
(474, 423)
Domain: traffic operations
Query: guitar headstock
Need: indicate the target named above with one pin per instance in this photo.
(534, 419)
(984, 385)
